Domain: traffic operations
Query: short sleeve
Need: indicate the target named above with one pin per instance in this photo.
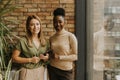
(18, 45)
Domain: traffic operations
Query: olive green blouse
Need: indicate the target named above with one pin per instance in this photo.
(28, 51)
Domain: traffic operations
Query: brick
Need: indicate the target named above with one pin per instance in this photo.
(51, 1)
(21, 29)
(55, 5)
(43, 13)
(11, 18)
(38, 1)
(30, 5)
(21, 17)
(22, 33)
(69, 9)
(30, 1)
(42, 10)
(20, 2)
(71, 30)
(46, 21)
(70, 5)
(22, 24)
(50, 9)
(21, 10)
(30, 13)
(49, 25)
(42, 17)
(43, 25)
(67, 1)
(70, 25)
(70, 14)
(16, 14)
(70, 21)
(45, 6)
(49, 17)
(69, 17)
(47, 29)
(33, 10)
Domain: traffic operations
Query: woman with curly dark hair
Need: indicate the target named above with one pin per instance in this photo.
(64, 48)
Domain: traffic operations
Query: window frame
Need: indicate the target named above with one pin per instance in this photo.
(80, 32)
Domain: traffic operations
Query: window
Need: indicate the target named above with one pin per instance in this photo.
(103, 38)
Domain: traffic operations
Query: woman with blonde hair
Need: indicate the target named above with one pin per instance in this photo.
(29, 51)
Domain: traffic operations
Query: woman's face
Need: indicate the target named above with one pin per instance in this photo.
(34, 26)
(58, 23)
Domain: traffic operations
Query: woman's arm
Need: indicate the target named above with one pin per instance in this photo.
(73, 50)
(16, 58)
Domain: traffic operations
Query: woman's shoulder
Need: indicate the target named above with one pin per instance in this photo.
(70, 34)
(22, 39)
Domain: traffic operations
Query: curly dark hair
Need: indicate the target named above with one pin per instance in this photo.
(59, 11)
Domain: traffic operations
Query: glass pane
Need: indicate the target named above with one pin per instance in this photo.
(106, 40)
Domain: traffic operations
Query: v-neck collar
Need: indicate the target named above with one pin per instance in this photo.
(35, 46)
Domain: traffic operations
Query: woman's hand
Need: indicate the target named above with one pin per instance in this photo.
(34, 59)
(56, 56)
(44, 57)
